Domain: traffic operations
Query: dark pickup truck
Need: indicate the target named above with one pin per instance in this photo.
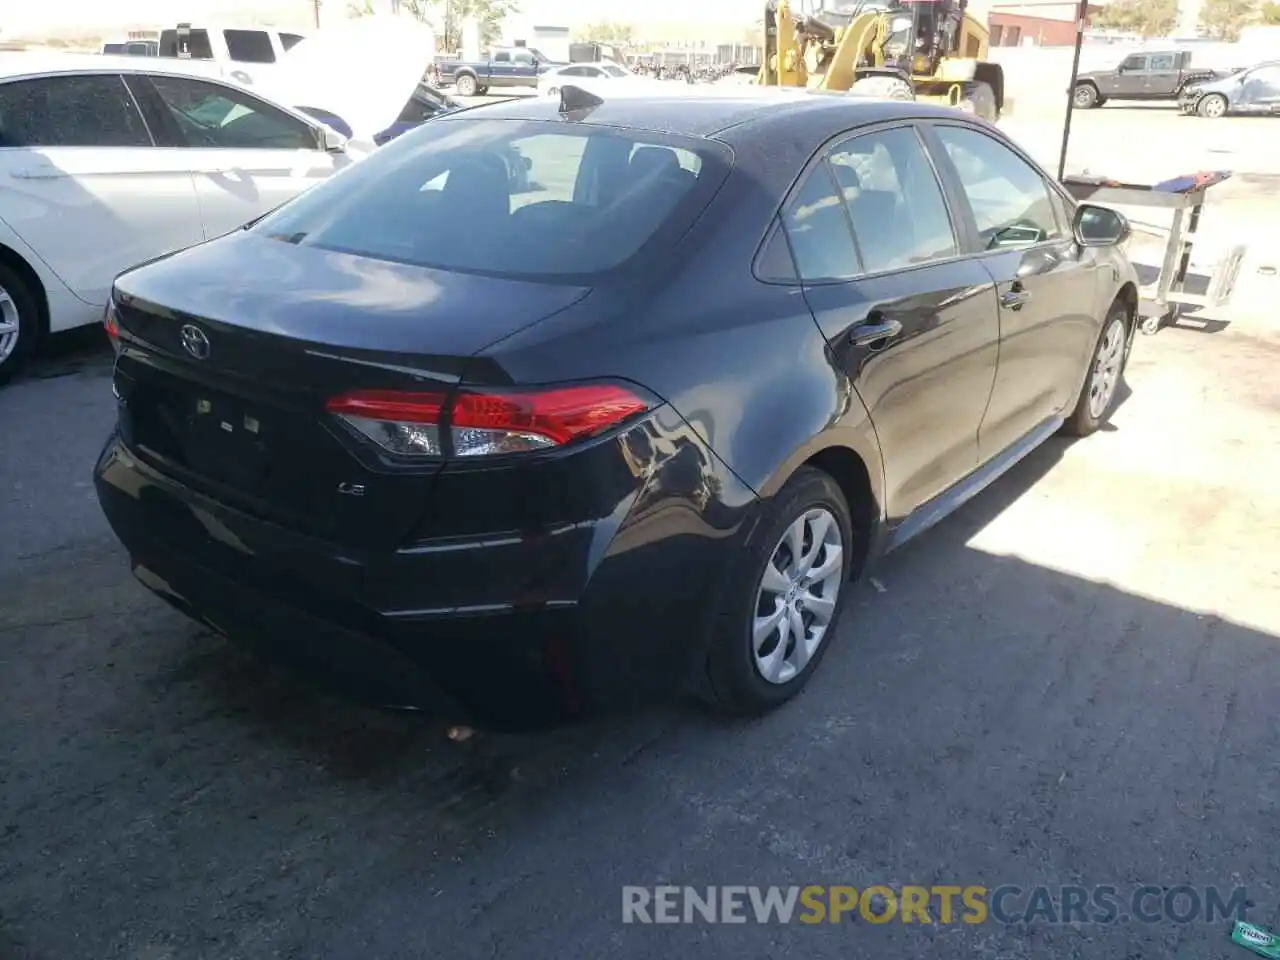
(504, 67)
(1150, 75)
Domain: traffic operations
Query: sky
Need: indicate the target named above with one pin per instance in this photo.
(21, 15)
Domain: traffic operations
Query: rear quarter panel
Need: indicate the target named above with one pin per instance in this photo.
(741, 360)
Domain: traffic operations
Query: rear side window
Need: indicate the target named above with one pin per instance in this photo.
(249, 46)
(89, 111)
(509, 198)
(818, 230)
(894, 200)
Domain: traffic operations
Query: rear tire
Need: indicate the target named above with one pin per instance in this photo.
(1085, 96)
(882, 88)
(982, 102)
(19, 322)
(466, 85)
(779, 613)
(1106, 373)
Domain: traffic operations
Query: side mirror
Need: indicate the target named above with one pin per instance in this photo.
(1096, 226)
(334, 142)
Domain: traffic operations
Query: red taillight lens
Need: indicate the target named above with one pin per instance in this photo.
(488, 423)
(112, 323)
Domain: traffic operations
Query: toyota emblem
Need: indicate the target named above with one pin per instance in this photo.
(194, 341)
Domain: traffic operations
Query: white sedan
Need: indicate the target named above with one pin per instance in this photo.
(107, 162)
(598, 78)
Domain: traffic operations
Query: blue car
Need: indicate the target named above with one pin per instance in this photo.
(1255, 90)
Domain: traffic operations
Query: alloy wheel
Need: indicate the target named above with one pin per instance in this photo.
(1106, 369)
(8, 325)
(1213, 107)
(797, 596)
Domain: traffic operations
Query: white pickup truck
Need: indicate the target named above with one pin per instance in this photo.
(243, 54)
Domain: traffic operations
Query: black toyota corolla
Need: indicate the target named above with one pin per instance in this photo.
(519, 449)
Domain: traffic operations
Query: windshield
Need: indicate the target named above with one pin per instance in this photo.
(509, 198)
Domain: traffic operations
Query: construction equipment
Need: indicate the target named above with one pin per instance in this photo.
(896, 49)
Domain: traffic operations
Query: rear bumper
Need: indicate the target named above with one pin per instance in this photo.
(630, 633)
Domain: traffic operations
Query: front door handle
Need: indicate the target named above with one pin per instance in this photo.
(865, 334)
(1015, 296)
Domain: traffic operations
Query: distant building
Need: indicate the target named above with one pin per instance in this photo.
(1039, 23)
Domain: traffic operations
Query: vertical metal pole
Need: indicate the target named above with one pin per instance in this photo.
(316, 7)
(1082, 18)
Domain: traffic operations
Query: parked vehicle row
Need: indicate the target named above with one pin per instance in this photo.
(109, 162)
(519, 451)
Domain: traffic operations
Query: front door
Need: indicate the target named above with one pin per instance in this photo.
(1131, 78)
(1045, 282)
(1262, 89)
(246, 156)
(913, 323)
(86, 188)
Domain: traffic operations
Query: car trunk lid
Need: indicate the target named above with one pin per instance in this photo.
(229, 352)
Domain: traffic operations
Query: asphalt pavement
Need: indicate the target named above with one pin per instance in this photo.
(1071, 681)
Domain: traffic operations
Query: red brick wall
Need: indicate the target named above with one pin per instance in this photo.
(1012, 30)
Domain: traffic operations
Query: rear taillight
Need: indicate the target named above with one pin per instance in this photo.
(111, 321)
(487, 423)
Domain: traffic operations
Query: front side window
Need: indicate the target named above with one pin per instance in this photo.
(1009, 198)
(211, 115)
(290, 40)
(899, 215)
(249, 46)
(616, 71)
(1161, 61)
(509, 198)
(87, 111)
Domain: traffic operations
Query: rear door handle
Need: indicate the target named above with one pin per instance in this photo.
(866, 334)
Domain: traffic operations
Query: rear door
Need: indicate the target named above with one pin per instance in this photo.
(246, 155)
(1046, 284)
(1163, 76)
(83, 183)
(911, 320)
(502, 70)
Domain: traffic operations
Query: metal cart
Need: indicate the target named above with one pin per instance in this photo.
(1164, 298)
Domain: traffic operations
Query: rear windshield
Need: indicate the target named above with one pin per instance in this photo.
(510, 198)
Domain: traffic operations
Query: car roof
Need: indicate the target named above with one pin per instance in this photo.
(708, 111)
(29, 63)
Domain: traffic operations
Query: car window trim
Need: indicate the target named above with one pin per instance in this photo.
(120, 77)
(944, 163)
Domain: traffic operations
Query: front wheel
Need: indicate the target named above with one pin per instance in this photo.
(1085, 96)
(882, 88)
(781, 605)
(466, 85)
(981, 102)
(1213, 106)
(1106, 370)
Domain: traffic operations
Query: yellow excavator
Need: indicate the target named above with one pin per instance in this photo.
(896, 49)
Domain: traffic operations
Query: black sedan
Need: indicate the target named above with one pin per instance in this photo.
(515, 457)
